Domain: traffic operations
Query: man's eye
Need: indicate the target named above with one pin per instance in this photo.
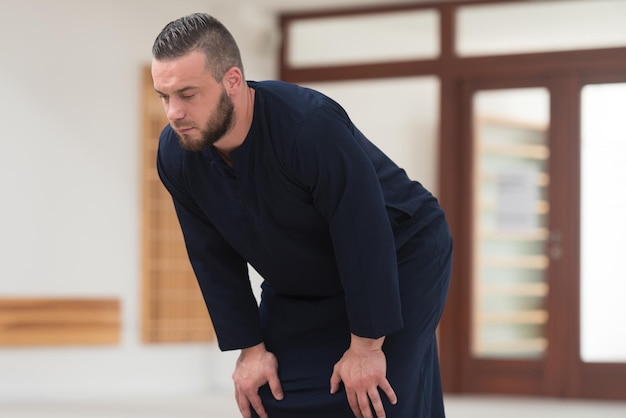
(187, 96)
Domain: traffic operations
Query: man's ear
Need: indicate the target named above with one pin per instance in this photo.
(233, 78)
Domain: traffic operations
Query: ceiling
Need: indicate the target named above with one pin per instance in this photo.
(300, 5)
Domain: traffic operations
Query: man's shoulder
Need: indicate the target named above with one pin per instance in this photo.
(275, 86)
(288, 95)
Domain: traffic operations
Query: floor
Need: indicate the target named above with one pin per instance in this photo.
(224, 407)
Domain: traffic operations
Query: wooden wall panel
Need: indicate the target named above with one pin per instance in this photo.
(48, 321)
(173, 307)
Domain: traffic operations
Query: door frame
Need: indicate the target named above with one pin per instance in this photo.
(562, 373)
(526, 377)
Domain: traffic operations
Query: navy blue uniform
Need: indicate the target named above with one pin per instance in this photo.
(344, 240)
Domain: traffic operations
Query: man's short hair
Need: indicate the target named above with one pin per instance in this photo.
(199, 32)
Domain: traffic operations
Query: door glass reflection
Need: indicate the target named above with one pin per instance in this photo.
(510, 226)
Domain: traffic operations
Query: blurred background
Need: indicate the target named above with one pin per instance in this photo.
(510, 111)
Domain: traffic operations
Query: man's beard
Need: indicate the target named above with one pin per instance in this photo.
(215, 128)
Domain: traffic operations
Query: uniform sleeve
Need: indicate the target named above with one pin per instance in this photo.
(330, 160)
(221, 272)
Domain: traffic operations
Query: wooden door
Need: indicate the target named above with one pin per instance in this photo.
(512, 237)
(524, 149)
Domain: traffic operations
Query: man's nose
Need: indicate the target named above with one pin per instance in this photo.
(175, 110)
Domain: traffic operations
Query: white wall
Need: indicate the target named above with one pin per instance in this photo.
(69, 168)
(69, 171)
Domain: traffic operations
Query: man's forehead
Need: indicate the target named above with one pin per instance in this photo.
(184, 72)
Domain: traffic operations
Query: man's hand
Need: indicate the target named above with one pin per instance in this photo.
(363, 369)
(255, 367)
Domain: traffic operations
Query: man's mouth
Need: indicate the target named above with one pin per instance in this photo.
(183, 129)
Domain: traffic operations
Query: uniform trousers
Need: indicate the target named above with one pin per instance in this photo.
(309, 335)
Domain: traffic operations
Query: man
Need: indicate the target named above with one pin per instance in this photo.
(355, 257)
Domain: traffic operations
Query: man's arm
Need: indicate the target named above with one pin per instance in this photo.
(221, 272)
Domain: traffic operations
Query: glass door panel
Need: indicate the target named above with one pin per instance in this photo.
(603, 225)
(557, 25)
(363, 38)
(510, 225)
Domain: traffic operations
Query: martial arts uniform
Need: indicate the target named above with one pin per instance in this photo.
(344, 240)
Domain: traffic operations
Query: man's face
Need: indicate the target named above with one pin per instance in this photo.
(197, 106)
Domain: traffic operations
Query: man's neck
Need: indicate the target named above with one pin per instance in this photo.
(244, 112)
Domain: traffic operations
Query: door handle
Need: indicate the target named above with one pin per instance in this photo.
(555, 251)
